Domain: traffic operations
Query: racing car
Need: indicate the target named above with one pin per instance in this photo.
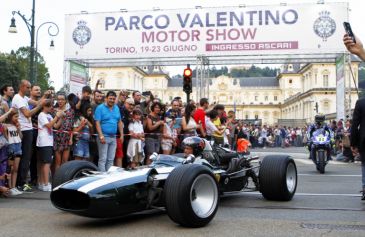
(187, 187)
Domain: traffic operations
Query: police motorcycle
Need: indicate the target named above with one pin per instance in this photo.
(320, 143)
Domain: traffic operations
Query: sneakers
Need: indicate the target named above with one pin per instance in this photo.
(40, 187)
(14, 192)
(45, 187)
(26, 188)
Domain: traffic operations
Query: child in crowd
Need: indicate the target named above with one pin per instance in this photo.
(83, 126)
(45, 144)
(14, 136)
(135, 145)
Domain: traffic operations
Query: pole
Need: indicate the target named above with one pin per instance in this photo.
(52, 24)
(31, 60)
(187, 98)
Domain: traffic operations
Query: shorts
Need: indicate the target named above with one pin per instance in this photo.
(81, 149)
(166, 145)
(152, 145)
(15, 150)
(45, 154)
(119, 150)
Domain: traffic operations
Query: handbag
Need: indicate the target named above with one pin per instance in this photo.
(346, 141)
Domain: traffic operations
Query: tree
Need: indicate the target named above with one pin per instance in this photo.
(9, 70)
(22, 57)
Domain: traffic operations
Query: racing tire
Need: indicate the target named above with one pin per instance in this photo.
(191, 195)
(278, 178)
(71, 170)
(321, 162)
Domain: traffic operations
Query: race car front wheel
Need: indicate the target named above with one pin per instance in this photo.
(72, 170)
(191, 195)
(278, 177)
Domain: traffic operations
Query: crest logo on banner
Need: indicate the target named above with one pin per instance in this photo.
(324, 26)
(82, 34)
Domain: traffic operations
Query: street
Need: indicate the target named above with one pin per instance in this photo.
(324, 205)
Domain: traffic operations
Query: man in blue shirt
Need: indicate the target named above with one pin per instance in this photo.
(108, 121)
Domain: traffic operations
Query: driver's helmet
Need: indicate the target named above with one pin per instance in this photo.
(196, 143)
(319, 119)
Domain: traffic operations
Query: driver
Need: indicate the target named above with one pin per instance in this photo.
(319, 123)
(193, 146)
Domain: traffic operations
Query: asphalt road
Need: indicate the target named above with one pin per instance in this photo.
(324, 205)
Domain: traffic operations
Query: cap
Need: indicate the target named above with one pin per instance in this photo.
(130, 101)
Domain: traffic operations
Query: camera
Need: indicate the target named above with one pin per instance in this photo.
(146, 93)
(349, 31)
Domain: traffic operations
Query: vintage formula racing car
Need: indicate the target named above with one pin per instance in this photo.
(188, 189)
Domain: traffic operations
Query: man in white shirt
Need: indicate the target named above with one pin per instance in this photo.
(20, 102)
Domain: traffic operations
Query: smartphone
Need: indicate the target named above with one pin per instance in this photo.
(349, 31)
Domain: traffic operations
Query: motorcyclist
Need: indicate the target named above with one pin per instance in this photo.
(193, 146)
(319, 123)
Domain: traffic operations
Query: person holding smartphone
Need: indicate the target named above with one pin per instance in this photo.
(357, 137)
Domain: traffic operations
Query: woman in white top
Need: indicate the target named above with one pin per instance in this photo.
(188, 124)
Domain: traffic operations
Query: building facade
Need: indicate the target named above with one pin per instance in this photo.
(291, 95)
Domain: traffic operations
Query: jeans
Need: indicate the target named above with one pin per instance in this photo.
(27, 147)
(106, 153)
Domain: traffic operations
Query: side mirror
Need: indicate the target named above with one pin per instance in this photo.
(189, 160)
(154, 156)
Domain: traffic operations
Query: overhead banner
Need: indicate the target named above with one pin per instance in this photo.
(340, 87)
(224, 31)
(78, 78)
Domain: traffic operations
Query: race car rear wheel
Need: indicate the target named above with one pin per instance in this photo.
(278, 178)
(191, 195)
(72, 170)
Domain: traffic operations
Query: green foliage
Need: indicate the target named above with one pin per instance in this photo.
(14, 67)
(9, 71)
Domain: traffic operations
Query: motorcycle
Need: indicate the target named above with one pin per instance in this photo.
(321, 145)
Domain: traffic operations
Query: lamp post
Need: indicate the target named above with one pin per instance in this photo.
(51, 25)
(31, 28)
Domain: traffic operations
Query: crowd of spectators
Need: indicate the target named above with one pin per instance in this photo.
(41, 132)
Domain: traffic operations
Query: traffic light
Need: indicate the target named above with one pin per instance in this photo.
(188, 84)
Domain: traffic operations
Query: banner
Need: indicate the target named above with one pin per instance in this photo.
(340, 88)
(213, 32)
(78, 78)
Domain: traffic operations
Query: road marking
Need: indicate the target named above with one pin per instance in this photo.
(300, 194)
(329, 194)
(310, 162)
(333, 175)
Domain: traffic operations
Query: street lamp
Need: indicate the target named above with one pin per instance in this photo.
(50, 33)
(31, 28)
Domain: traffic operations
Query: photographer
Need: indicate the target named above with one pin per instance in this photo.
(357, 139)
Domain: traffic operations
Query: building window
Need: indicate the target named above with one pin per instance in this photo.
(256, 116)
(266, 98)
(246, 116)
(290, 81)
(275, 98)
(170, 97)
(256, 97)
(325, 80)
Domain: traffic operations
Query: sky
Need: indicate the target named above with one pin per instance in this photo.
(50, 10)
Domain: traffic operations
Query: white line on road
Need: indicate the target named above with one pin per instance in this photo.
(303, 194)
(333, 175)
(310, 162)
